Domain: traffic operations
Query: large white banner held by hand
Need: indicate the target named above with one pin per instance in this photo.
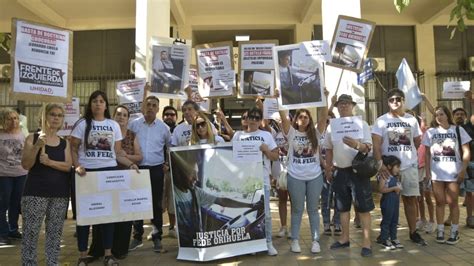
(407, 83)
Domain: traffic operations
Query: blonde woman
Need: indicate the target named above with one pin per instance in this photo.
(12, 175)
(48, 159)
(202, 131)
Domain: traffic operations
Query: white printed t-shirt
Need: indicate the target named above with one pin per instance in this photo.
(446, 161)
(182, 134)
(398, 134)
(303, 162)
(218, 139)
(263, 137)
(343, 154)
(100, 149)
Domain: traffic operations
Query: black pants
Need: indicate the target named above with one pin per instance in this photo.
(156, 178)
(120, 242)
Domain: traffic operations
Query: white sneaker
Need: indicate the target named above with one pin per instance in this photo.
(315, 248)
(172, 233)
(419, 225)
(295, 246)
(271, 250)
(283, 232)
(429, 227)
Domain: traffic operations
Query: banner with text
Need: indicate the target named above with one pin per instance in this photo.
(113, 196)
(41, 57)
(218, 202)
(130, 93)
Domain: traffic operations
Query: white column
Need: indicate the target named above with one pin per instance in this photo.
(426, 60)
(331, 9)
(152, 19)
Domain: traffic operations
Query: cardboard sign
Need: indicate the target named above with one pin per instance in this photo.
(351, 126)
(131, 93)
(41, 57)
(455, 89)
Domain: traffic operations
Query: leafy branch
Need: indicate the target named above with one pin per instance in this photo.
(463, 10)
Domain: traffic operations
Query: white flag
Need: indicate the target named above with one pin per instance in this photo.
(407, 83)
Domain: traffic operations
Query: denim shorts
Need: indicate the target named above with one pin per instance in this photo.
(349, 188)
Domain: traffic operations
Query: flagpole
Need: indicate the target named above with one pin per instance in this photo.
(339, 82)
(380, 83)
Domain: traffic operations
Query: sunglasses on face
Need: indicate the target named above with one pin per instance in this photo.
(254, 117)
(169, 114)
(56, 115)
(395, 99)
(201, 124)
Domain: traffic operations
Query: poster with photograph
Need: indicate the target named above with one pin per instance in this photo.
(41, 57)
(351, 42)
(169, 65)
(218, 202)
(113, 196)
(299, 77)
(204, 103)
(130, 93)
(256, 72)
(215, 61)
(72, 113)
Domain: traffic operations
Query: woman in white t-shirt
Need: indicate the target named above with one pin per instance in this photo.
(202, 133)
(446, 167)
(96, 146)
(305, 179)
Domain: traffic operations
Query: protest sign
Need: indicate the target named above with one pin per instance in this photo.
(215, 60)
(351, 42)
(72, 113)
(169, 67)
(204, 104)
(247, 151)
(455, 89)
(130, 93)
(256, 68)
(41, 57)
(270, 108)
(299, 77)
(408, 84)
(218, 202)
(113, 196)
(351, 126)
(318, 50)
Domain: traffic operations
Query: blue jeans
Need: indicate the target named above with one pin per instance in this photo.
(300, 190)
(390, 204)
(327, 199)
(11, 189)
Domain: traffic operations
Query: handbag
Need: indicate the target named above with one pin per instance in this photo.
(365, 166)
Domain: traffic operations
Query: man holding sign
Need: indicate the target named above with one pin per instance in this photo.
(339, 155)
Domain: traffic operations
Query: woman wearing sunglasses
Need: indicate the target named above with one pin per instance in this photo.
(202, 131)
(270, 153)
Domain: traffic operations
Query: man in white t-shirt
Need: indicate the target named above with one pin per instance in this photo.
(398, 133)
(345, 183)
(182, 132)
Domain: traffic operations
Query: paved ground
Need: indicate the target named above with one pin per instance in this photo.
(433, 254)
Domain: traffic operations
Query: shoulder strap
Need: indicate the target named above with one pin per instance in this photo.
(458, 135)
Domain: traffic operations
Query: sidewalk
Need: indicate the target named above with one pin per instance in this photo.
(433, 254)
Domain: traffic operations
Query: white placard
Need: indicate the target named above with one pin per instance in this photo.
(224, 79)
(95, 205)
(256, 56)
(136, 200)
(346, 127)
(270, 108)
(319, 50)
(114, 180)
(71, 115)
(41, 61)
(204, 103)
(130, 94)
(210, 60)
(247, 151)
(455, 89)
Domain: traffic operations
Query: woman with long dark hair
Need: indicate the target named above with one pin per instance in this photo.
(96, 146)
(304, 177)
(445, 163)
(48, 159)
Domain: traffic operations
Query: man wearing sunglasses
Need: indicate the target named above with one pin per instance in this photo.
(397, 133)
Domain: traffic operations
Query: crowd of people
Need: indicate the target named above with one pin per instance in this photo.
(415, 161)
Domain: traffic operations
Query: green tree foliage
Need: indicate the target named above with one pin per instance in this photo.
(249, 186)
(463, 10)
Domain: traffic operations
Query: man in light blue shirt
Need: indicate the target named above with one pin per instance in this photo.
(153, 135)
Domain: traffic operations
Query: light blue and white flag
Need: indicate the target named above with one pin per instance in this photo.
(407, 83)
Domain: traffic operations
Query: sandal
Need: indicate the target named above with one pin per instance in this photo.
(110, 260)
